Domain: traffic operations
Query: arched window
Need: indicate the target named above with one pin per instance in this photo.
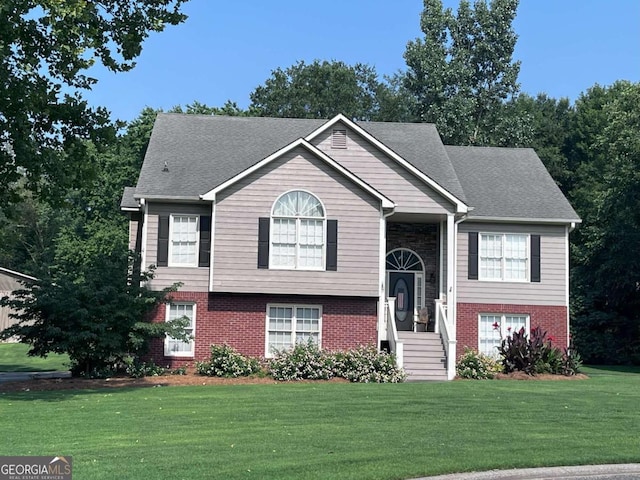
(298, 235)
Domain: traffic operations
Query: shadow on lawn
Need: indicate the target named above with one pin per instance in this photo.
(594, 370)
(55, 390)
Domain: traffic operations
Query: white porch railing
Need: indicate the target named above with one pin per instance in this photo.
(447, 330)
(395, 345)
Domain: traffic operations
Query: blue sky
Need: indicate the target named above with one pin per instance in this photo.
(228, 48)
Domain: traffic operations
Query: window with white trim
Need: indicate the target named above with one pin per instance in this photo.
(183, 240)
(179, 348)
(504, 257)
(493, 328)
(291, 324)
(298, 232)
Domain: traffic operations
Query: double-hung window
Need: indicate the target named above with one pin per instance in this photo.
(504, 257)
(180, 348)
(183, 240)
(493, 328)
(291, 324)
(298, 232)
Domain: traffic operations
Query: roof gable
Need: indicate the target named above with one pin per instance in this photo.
(428, 136)
(386, 203)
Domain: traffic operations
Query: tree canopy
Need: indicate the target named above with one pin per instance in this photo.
(323, 90)
(462, 72)
(46, 49)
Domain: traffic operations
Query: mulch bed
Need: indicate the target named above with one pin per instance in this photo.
(191, 379)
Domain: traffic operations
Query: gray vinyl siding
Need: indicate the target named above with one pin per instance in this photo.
(133, 233)
(239, 207)
(410, 194)
(552, 289)
(194, 279)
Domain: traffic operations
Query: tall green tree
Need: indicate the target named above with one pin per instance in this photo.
(323, 90)
(549, 121)
(46, 48)
(462, 72)
(606, 247)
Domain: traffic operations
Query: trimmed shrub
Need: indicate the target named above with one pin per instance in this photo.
(138, 369)
(477, 366)
(227, 362)
(368, 365)
(305, 361)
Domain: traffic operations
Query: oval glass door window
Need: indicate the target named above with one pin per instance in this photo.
(401, 292)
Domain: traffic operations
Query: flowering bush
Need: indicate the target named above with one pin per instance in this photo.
(363, 364)
(227, 362)
(536, 354)
(368, 365)
(477, 366)
(303, 361)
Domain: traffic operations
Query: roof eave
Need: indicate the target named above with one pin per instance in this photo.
(549, 221)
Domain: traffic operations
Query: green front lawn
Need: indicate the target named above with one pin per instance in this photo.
(14, 358)
(329, 430)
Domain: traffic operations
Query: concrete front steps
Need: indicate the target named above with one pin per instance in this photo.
(424, 356)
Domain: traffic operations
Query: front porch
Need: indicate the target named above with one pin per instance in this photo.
(418, 322)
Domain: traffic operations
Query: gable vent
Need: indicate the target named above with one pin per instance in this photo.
(339, 138)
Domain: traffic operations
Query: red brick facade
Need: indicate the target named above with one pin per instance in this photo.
(552, 319)
(240, 321)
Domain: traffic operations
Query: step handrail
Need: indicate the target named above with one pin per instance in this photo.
(447, 331)
(395, 344)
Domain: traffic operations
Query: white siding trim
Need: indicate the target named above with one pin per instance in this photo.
(441, 246)
(566, 270)
(386, 203)
(544, 221)
(382, 274)
(461, 207)
(211, 244)
(451, 268)
(143, 246)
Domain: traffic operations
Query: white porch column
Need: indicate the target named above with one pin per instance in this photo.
(382, 274)
(451, 268)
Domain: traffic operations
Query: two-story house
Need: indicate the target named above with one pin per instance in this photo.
(284, 230)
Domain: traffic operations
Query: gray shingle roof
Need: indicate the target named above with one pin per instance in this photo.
(128, 201)
(189, 155)
(509, 183)
(203, 151)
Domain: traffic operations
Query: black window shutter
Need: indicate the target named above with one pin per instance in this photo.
(163, 240)
(263, 242)
(535, 258)
(332, 245)
(205, 241)
(473, 255)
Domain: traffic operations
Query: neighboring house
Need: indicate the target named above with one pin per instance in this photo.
(284, 230)
(10, 281)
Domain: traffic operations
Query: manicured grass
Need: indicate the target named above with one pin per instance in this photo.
(329, 430)
(14, 358)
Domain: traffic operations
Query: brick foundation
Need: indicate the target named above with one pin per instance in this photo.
(552, 319)
(240, 321)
